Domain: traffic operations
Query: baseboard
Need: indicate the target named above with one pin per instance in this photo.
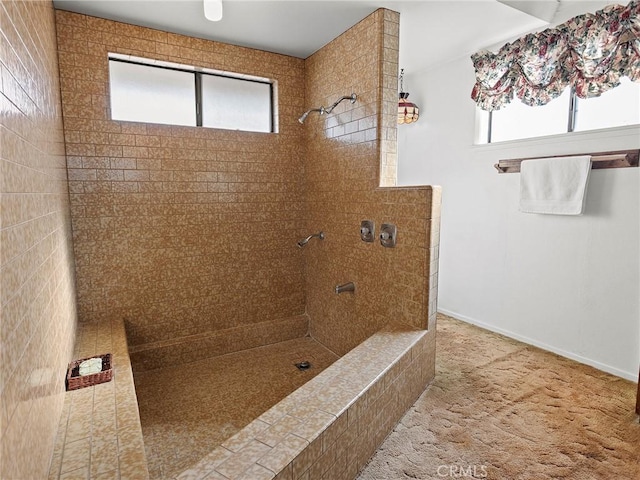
(633, 376)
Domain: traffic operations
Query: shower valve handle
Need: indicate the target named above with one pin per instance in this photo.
(367, 231)
(388, 235)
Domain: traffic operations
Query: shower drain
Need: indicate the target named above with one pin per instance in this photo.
(303, 365)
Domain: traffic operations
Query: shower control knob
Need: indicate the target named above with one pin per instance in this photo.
(388, 235)
(367, 229)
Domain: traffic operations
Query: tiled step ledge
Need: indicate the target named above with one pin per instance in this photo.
(329, 427)
(212, 344)
(99, 435)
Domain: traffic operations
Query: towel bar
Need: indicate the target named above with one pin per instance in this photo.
(619, 159)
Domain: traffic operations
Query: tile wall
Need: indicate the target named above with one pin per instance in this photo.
(38, 317)
(186, 230)
(183, 230)
(349, 155)
(180, 230)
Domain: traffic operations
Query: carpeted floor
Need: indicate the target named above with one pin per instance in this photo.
(500, 409)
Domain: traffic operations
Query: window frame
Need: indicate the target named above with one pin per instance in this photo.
(198, 73)
(571, 123)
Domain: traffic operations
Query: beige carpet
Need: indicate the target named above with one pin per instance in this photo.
(500, 409)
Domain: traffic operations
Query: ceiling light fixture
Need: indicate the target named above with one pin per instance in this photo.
(407, 112)
(213, 10)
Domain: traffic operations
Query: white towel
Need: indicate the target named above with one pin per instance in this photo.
(90, 366)
(555, 186)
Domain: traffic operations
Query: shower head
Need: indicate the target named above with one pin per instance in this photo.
(303, 242)
(306, 114)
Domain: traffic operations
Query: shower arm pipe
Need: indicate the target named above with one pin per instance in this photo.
(322, 110)
(303, 242)
(351, 97)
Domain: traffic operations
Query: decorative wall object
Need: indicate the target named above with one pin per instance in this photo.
(408, 112)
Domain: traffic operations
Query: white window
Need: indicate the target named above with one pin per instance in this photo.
(567, 113)
(615, 108)
(140, 93)
(176, 95)
(236, 104)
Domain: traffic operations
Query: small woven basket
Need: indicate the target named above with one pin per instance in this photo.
(76, 381)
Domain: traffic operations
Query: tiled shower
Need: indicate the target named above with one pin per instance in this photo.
(189, 234)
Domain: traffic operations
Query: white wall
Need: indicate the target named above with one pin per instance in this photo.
(567, 284)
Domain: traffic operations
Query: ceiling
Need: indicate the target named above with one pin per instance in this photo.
(430, 31)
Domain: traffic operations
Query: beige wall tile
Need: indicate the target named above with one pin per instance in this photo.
(185, 231)
(161, 251)
(237, 465)
(193, 248)
(283, 453)
(348, 159)
(36, 264)
(209, 344)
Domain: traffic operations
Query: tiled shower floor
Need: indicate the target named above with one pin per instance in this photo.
(187, 410)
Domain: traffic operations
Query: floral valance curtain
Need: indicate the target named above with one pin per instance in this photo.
(589, 52)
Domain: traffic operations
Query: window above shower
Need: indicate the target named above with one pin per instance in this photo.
(150, 91)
